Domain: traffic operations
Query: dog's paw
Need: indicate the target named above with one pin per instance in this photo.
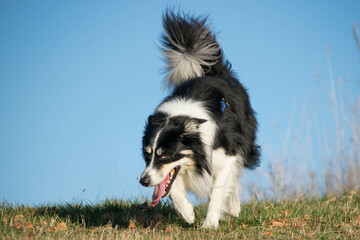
(234, 206)
(185, 210)
(210, 222)
(189, 217)
(235, 210)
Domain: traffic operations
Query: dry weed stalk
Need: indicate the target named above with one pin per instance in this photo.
(320, 150)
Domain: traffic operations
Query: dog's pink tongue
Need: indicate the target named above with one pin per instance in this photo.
(159, 191)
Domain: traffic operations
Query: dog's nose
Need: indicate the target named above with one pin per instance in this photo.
(145, 180)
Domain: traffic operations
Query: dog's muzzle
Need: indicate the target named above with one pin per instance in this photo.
(145, 180)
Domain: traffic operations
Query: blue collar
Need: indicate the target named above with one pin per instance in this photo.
(223, 104)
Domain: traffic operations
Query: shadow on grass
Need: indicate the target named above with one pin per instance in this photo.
(120, 214)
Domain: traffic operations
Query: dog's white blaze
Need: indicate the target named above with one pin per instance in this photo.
(192, 109)
(150, 170)
(155, 145)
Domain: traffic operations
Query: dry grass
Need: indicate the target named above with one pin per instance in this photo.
(319, 149)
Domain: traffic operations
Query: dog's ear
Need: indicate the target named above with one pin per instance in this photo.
(192, 124)
(156, 119)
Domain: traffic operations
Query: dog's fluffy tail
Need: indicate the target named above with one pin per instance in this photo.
(189, 48)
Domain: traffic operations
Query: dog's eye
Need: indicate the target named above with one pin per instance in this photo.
(147, 150)
(164, 157)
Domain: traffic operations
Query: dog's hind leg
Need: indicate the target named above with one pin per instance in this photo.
(182, 205)
(223, 167)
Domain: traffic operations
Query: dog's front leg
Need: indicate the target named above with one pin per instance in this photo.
(222, 171)
(214, 208)
(182, 205)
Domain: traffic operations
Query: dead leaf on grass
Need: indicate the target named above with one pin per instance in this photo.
(267, 233)
(132, 225)
(31, 236)
(18, 221)
(18, 225)
(18, 218)
(49, 230)
(357, 221)
(280, 223)
(310, 235)
(60, 227)
(167, 230)
(300, 223)
(285, 212)
(289, 222)
(29, 225)
(44, 223)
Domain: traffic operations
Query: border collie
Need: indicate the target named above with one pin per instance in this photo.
(201, 136)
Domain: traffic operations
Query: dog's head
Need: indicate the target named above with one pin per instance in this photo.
(170, 146)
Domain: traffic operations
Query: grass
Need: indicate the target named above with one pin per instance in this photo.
(300, 219)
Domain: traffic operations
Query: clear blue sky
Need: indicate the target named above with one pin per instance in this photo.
(79, 78)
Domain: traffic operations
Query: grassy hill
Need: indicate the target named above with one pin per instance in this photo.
(327, 218)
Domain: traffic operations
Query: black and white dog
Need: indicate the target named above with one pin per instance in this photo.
(201, 136)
